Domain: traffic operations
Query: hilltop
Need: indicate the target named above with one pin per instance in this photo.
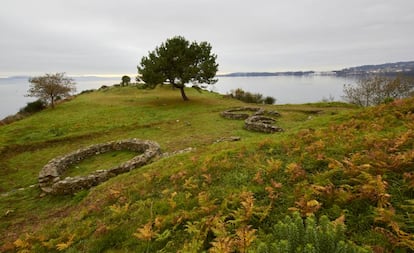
(349, 170)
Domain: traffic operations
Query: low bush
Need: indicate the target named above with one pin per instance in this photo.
(33, 107)
(253, 98)
(145, 86)
(269, 100)
(87, 91)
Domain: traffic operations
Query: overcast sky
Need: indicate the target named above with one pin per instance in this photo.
(82, 37)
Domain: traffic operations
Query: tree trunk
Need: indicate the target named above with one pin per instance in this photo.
(52, 101)
(185, 98)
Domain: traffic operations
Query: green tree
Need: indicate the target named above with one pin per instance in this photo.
(50, 87)
(178, 62)
(125, 80)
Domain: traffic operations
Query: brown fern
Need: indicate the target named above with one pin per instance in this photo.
(146, 233)
(245, 237)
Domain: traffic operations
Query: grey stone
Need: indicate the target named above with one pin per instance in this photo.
(183, 151)
(229, 139)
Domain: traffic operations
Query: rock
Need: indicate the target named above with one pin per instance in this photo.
(261, 124)
(183, 151)
(229, 139)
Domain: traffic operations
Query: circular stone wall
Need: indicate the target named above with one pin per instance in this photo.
(50, 180)
(261, 124)
(261, 120)
(241, 112)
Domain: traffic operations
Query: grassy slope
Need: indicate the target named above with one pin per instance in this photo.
(342, 162)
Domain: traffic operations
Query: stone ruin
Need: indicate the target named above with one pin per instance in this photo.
(261, 124)
(50, 180)
(241, 112)
(260, 121)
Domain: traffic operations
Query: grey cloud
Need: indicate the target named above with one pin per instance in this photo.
(82, 37)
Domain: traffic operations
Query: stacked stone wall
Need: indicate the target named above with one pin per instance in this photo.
(241, 112)
(260, 120)
(50, 180)
(261, 124)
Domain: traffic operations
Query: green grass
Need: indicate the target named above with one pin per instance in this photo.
(103, 161)
(333, 159)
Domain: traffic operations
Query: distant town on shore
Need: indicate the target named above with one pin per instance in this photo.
(405, 68)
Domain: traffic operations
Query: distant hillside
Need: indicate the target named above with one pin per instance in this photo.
(406, 68)
(287, 73)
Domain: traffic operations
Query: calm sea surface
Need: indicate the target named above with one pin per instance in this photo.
(285, 89)
(288, 89)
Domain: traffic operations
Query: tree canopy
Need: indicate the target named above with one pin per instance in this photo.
(178, 62)
(125, 80)
(50, 87)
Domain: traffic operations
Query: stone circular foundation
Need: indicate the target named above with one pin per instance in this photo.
(261, 124)
(260, 120)
(241, 112)
(50, 180)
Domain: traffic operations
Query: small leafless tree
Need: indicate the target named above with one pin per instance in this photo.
(50, 87)
(374, 90)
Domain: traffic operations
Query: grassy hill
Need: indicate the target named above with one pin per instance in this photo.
(339, 177)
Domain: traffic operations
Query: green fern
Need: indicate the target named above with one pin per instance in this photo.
(295, 235)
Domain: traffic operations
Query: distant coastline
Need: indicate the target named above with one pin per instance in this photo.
(253, 74)
(389, 69)
(14, 88)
